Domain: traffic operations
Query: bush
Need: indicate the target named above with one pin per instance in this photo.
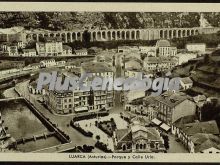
(81, 130)
(102, 147)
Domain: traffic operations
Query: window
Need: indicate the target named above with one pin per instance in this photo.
(65, 100)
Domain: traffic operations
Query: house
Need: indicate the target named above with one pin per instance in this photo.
(135, 106)
(186, 83)
(67, 50)
(136, 73)
(185, 57)
(50, 47)
(138, 139)
(33, 88)
(47, 63)
(192, 134)
(172, 106)
(29, 52)
(10, 49)
(132, 63)
(127, 49)
(150, 109)
(196, 47)
(81, 52)
(97, 69)
(13, 34)
(148, 50)
(159, 63)
(205, 143)
(60, 63)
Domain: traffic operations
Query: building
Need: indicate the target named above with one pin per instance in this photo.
(10, 49)
(132, 64)
(33, 88)
(186, 83)
(150, 109)
(29, 52)
(67, 50)
(6, 64)
(81, 52)
(97, 69)
(205, 143)
(194, 134)
(129, 72)
(47, 63)
(165, 49)
(196, 47)
(127, 49)
(159, 63)
(150, 51)
(172, 106)
(50, 47)
(185, 57)
(138, 139)
(13, 34)
(65, 102)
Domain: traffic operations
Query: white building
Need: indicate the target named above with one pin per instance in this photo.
(186, 83)
(81, 52)
(29, 52)
(185, 57)
(50, 47)
(196, 47)
(67, 50)
(48, 63)
(165, 48)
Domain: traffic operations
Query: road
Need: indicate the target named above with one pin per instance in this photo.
(175, 147)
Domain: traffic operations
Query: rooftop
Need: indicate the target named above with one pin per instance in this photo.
(96, 67)
(172, 99)
(186, 80)
(163, 43)
(209, 127)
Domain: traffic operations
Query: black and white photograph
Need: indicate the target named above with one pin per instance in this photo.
(109, 82)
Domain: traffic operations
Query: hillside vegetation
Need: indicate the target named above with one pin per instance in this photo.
(103, 20)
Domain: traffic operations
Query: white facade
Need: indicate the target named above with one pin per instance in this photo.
(48, 63)
(196, 47)
(29, 52)
(185, 57)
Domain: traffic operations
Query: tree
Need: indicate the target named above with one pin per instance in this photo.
(97, 137)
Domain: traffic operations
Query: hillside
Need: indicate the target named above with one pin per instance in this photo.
(205, 74)
(102, 20)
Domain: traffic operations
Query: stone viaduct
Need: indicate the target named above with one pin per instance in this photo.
(123, 34)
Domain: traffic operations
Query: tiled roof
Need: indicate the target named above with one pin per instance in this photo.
(201, 127)
(184, 120)
(172, 99)
(123, 135)
(186, 80)
(204, 141)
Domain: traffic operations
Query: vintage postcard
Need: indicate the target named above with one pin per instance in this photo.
(109, 82)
